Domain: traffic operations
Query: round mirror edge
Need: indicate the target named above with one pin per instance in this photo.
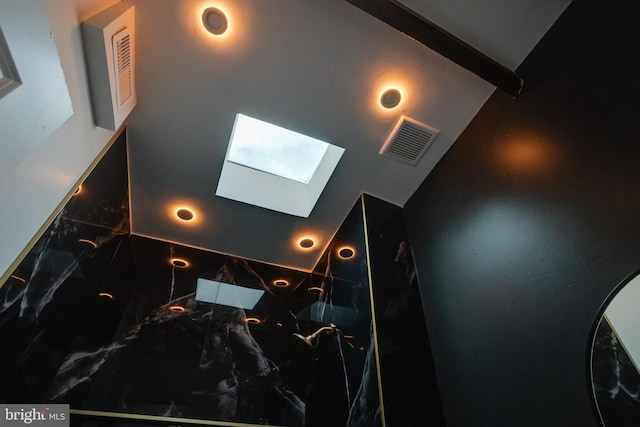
(591, 342)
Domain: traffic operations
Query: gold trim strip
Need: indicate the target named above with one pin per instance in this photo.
(173, 420)
(373, 312)
(58, 209)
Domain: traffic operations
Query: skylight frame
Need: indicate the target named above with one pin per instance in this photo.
(269, 191)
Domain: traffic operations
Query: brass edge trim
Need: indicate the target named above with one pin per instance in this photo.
(201, 248)
(373, 312)
(193, 421)
(624, 347)
(58, 209)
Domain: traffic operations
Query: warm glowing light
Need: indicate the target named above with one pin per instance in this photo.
(106, 295)
(180, 263)
(94, 244)
(390, 98)
(184, 214)
(280, 283)
(177, 308)
(18, 278)
(527, 154)
(392, 93)
(315, 289)
(78, 190)
(214, 21)
(253, 321)
(306, 243)
(346, 252)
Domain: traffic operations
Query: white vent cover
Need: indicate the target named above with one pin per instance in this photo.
(123, 67)
(408, 141)
(109, 50)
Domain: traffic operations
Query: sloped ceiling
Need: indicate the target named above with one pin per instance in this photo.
(314, 67)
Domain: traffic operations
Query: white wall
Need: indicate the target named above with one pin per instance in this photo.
(34, 183)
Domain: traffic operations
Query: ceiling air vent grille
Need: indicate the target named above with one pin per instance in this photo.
(122, 61)
(408, 141)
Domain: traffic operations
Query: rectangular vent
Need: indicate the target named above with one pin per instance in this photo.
(122, 62)
(408, 141)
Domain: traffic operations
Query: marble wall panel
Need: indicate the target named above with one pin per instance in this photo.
(56, 286)
(409, 385)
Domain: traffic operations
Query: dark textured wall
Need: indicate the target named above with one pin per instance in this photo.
(529, 221)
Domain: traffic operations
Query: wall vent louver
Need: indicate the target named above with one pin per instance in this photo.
(124, 73)
(109, 48)
(408, 141)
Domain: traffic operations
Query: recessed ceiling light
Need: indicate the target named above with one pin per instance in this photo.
(346, 252)
(177, 308)
(390, 98)
(106, 295)
(253, 320)
(185, 214)
(280, 283)
(18, 278)
(214, 20)
(180, 263)
(92, 243)
(306, 243)
(315, 289)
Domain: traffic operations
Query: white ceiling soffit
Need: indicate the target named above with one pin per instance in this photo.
(504, 30)
(269, 182)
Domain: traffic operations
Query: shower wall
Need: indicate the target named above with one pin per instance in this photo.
(102, 319)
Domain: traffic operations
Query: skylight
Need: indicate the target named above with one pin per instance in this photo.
(275, 168)
(215, 292)
(275, 150)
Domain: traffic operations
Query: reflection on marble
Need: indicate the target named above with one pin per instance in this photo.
(200, 361)
(45, 299)
(403, 342)
(343, 382)
(616, 381)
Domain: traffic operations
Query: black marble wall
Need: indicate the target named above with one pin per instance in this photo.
(343, 382)
(410, 391)
(104, 320)
(616, 381)
(44, 304)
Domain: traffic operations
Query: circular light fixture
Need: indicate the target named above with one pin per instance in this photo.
(90, 242)
(390, 98)
(306, 243)
(180, 263)
(315, 289)
(253, 321)
(185, 214)
(215, 21)
(18, 278)
(106, 295)
(280, 283)
(346, 252)
(78, 190)
(176, 308)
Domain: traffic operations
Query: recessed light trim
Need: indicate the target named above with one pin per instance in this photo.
(106, 295)
(185, 214)
(215, 21)
(177, 308)
(346, 252)
(280, 283)
(179, 262)
(306, 243)
(390, 98)
(253, 321)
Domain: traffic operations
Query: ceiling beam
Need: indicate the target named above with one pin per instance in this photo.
(439, 40)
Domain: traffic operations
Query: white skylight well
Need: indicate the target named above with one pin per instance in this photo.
(275, 168)
(273, 149)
